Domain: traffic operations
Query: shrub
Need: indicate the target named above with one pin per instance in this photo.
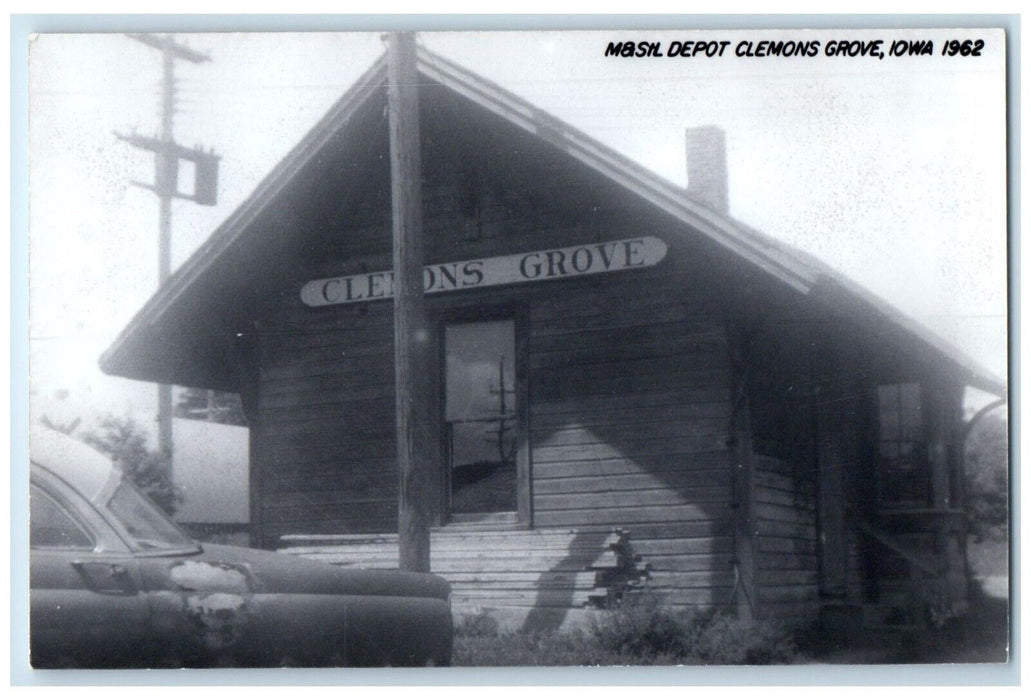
(480, 624)
(724, 639)
(122, 439)
(652, 632)
(987, 477)
(644, 626)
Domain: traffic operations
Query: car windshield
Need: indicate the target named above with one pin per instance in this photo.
(149, 527)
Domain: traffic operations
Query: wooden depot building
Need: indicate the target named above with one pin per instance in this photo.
(633, 390)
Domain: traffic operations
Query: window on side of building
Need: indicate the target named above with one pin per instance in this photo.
(904, 475)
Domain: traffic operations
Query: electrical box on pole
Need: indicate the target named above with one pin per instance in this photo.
(205, 180)
(167, 156)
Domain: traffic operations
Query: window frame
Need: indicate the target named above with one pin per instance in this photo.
(62, 507)
(890, 495)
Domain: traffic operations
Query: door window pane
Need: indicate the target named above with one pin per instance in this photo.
(480, 416)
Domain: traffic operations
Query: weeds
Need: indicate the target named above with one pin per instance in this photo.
(574, 648)
(642, 631)
(642, 626)
(723, 639)
(477, 625)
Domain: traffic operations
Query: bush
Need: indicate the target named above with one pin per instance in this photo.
(477, 625)
(645, 628)
(987, 475)
(124, 441)
(724, 639)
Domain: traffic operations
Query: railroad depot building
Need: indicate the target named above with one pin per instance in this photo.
(633, 390)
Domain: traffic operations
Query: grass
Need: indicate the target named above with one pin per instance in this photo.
(981, 636)
(646, 633)
(642, 632)
(539, 649)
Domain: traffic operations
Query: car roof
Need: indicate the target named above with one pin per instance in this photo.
(81, 466)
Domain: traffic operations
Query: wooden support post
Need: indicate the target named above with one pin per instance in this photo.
(416, 454)
(830, 436)
(743, 506)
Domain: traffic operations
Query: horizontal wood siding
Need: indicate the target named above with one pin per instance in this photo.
(541, 568)
(631, 407)
(787, 569)
(327, 403)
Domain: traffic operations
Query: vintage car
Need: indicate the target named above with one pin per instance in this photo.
(116, 584)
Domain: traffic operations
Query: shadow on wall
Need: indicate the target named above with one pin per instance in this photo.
(548, 615)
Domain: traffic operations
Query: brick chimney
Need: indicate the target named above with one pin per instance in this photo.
(707, 167)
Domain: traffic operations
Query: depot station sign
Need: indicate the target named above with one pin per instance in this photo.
(535, 266)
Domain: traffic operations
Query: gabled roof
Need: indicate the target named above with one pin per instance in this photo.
(793, 267)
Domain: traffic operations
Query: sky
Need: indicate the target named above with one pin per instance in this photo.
(890, 170)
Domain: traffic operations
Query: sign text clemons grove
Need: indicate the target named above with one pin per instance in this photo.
(557, 263)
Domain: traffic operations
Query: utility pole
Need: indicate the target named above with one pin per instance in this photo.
(167, 154)
(416, 449)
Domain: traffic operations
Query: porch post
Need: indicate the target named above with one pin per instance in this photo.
(743, 506)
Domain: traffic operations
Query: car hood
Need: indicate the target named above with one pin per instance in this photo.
(271, 572)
